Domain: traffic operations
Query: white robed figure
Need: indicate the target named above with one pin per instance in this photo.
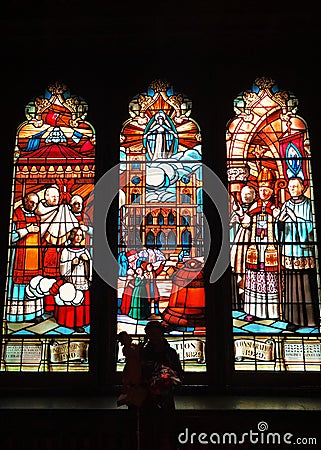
(160, 137)
(75, 268)
(240, 237)
(76, 263)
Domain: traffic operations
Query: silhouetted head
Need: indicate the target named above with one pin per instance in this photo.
(124, 338)
(154, 332)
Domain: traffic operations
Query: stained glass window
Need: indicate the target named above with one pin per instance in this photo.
(161, 256)
(46, 321)
(275, 275)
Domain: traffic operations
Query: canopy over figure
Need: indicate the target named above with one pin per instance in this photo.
(57, 220)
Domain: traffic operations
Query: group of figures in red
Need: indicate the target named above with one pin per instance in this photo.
(50, 262)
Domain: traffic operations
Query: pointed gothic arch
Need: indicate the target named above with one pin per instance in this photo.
(165, 143)
(171, 240)
(275, 274)
(49, 270)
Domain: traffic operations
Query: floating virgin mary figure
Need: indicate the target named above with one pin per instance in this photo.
(160, 137)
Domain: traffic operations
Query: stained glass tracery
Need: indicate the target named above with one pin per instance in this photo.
(161, 253)
(46, 321)
(275, 274)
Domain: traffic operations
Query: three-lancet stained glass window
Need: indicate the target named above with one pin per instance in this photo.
(275, 277)
(161, 252)
(46, 324)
